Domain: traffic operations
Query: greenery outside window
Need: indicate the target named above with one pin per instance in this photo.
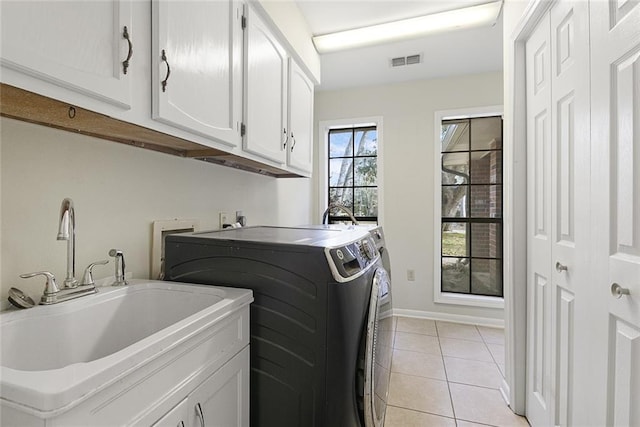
(353, 171)
(471, 199)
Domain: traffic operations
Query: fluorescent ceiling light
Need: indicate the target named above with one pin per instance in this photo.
(474, 16)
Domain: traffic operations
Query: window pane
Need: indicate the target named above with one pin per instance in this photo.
(455, 275)
(366, 142)
(486, 240)
(366, 169)
(454, 239)
(487, 277)
(340, 172)
(366, 202)
(486, 201)
(340, 143)
(455, 136)
(341, 196)
(486, 167)
(486, 133)
(455, 168)
(454, 201)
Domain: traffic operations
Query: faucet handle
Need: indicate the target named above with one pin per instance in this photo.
(88, 272)
(50, 288)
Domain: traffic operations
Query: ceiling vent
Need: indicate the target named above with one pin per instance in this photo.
(406, 60)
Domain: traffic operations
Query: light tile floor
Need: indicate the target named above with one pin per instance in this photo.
(447, 374)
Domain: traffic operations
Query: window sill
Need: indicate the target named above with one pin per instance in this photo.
(471, 300)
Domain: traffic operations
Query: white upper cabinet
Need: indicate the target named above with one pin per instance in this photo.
(300, 144)
(197, 67)
(265, 91)
(76, 45)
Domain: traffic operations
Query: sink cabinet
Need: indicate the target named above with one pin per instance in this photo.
(197, 67)
(208, 369)
(80, 46)
(221, 399)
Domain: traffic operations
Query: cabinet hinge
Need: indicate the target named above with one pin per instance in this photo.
(244, 22)
(243, 129)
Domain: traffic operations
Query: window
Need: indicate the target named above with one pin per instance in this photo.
(471, 206)
(353, 172)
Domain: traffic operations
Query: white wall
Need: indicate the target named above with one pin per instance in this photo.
(408, 113)
(118, 191)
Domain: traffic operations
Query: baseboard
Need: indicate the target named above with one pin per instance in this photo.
(504, 391)
(447, 317)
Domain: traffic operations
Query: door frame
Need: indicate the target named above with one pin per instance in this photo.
(514, 388)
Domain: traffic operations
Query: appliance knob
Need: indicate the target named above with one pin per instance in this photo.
(366, 250)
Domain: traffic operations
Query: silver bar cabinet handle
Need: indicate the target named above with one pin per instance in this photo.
(200, 414)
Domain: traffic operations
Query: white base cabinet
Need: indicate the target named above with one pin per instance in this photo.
(203, 381)
(221, 400)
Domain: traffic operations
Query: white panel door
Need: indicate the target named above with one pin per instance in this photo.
(265, 91)
(197, 67)
(540, 317)
(570, 179)
(78, 45)
(300, 144)
(557, 56)
(616, 210)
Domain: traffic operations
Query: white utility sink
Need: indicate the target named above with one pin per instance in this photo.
(55, 356)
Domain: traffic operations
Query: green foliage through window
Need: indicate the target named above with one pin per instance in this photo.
(353, 172)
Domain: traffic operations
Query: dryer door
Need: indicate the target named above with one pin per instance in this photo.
(378, 351)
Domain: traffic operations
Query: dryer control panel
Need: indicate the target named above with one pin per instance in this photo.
(347, 262)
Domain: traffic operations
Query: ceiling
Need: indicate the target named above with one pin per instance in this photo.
(456, 52)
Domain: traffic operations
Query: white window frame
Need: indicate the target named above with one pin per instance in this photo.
(438, 295)
(323, 154)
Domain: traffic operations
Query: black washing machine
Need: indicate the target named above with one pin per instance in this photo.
(374, 230)
(321, 324)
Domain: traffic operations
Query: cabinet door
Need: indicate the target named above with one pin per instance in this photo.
(197, 67)
(77, 45)
(223, 399)
(300, 146)
(265, 90)
(175, 417)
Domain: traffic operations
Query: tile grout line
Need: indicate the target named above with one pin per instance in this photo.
(446, 375)
(490, 352)
(423, 412)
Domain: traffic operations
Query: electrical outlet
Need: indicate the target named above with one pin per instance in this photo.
(411, 275)
(224, 218)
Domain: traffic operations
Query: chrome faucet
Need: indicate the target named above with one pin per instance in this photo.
(119, 259)
(346, 210)
(67, 231)
(53, 294)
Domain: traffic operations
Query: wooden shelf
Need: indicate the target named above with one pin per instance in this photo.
(22, 105)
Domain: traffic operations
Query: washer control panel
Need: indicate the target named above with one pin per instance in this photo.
(349, 260)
